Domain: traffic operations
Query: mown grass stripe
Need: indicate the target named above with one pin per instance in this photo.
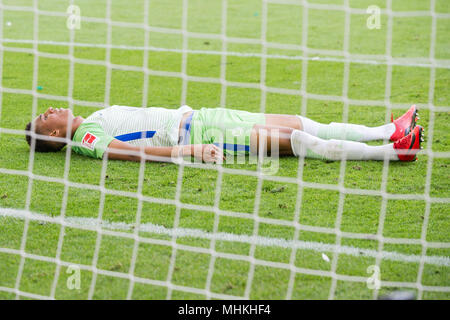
(92, 223)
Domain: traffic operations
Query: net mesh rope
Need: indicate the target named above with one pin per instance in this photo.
(308, 54)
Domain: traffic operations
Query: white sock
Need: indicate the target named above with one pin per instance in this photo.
(306, 145)
(347, 131)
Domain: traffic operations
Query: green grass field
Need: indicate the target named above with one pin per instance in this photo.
(404, 218)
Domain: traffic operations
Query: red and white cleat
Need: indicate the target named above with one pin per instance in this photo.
(407, 147)
(405, 124)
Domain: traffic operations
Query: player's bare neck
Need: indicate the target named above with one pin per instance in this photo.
(77, 121)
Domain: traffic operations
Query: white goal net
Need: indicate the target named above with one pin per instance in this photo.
(290, 257)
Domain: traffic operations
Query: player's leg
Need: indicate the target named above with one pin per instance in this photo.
(346, 131)
(333, 130)
(283, 120)
(301, 143)
(271, 140)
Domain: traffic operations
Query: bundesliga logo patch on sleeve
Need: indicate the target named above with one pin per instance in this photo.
(89, 140)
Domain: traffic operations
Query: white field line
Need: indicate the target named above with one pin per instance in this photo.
(426, 63)
(92, 224)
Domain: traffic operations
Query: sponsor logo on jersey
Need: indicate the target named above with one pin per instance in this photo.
(89, 140)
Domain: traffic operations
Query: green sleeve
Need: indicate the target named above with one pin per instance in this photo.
(92, 139)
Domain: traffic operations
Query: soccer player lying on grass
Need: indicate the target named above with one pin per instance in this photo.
(126, 133)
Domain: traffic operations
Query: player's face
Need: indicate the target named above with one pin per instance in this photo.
(54, 119)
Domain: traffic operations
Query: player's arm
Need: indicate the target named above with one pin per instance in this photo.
(119, 150)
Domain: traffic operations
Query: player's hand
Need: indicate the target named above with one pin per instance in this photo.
(209, 153)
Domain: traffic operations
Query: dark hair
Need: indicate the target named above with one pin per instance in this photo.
(42, 145)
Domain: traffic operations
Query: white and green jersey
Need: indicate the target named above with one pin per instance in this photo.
(156, 127)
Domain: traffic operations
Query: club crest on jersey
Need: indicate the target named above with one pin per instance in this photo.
(89, 140)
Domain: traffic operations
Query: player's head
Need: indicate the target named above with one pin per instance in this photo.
(52, 123)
